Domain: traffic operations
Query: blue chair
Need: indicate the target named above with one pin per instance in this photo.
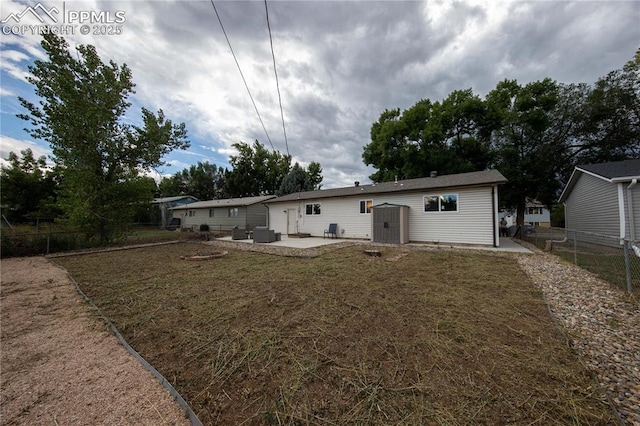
(333, 230)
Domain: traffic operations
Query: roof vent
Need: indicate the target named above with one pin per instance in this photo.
(356, 183)
(434, 174)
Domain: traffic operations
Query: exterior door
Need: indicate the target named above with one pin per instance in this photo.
(292, 221)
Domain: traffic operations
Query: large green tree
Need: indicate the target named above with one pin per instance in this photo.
(450, 136)
(205, 181)
(255, 171)
(299, 179)
(80, 114)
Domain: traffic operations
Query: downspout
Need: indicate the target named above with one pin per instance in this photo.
(494, 216)
(267, 206)
(632, 226)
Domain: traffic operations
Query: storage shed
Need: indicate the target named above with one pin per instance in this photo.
(390, 224)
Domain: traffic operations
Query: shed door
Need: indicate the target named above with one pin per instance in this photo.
(386, 225)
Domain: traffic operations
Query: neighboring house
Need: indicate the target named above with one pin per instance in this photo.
(604, 199)
(165, 205)
(535, 214)
(460, 208)
(224, 214)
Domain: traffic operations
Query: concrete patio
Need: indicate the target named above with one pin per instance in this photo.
(506, 244)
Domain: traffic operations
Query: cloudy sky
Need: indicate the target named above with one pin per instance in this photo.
(340, 64)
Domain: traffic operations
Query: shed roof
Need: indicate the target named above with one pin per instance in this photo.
(483, 178)
(226, 202)
(613, 171)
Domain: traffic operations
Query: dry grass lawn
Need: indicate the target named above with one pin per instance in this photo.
(419, 337)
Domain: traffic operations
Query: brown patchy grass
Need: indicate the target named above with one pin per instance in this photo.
(435, 337)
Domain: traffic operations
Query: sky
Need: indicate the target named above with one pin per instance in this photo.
(340, 64)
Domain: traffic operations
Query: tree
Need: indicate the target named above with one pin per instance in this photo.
(528, 140)
(255, 171)
(83, 102)
(299, 179)
(449, 137)
(28, 189)
(204, 181)
(608, 122)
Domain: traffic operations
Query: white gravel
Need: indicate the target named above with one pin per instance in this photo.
(602, 323)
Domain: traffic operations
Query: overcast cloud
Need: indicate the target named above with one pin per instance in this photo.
(340, 64)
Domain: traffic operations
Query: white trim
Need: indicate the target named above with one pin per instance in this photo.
(621, 209)
(594, 174)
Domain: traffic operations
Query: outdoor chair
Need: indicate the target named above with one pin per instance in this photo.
(333, 230)
(262, 234)
(238, 233)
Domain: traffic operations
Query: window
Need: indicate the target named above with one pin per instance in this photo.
(192, 213)
(365, 206)
(534, 210)
(233, 212)
(313, 209)
(211, 212)
(441, 203)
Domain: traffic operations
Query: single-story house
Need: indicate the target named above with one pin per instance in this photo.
(458, 208)
(535, 213)
(165, 204)
(604, 198)
(224, 214)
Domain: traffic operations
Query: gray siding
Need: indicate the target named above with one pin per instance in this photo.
(248, 217)
(592, 206)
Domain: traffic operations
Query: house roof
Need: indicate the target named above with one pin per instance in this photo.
(483, 178)
(613, 171)
(226, 202)
(172, 199)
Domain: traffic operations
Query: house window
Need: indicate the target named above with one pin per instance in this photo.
(534, 210)
(192, 213)
(365, 206)
(313, 209)
(441, 203)
(210, 212)
(233, 212)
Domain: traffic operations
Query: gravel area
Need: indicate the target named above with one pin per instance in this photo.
(602, 323)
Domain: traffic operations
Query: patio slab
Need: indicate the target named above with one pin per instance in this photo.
(309, 242)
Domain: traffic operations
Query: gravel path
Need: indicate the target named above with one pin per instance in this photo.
(602, 323)
(60, 365)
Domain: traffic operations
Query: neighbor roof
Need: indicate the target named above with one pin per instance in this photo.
(483, 178)
(172, 199)
(226, 202)
(613, 171)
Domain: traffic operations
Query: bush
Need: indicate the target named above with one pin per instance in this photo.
(204, 228)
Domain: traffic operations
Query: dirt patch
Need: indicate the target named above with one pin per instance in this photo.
(60, 365)
(435, 337)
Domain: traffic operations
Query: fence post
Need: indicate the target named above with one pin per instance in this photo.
(48, 236)
(575, 248)
(627, 264)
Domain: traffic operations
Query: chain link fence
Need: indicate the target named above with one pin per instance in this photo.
(615, 260)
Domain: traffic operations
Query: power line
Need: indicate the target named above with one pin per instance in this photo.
(275, 71)
(241, 74)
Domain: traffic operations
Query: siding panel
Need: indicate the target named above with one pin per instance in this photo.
(592, 206)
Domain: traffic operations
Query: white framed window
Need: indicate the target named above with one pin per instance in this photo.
(441, 203)
(192, 213)
(233, 212)
(313, 209)
(211, 212)
(365, 206)
(534, 210)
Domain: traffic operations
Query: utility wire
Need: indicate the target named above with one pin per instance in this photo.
(275, 71)
(241, 74)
